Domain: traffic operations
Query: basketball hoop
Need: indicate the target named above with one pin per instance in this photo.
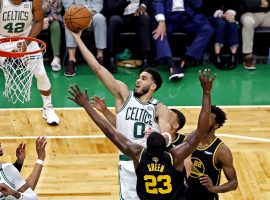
(19, 66)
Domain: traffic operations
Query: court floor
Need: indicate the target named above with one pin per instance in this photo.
(82, 164)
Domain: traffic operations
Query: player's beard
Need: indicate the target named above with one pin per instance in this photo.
(139, 94)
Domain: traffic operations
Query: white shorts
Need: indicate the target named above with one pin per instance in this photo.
(127, 180)
(33, 46)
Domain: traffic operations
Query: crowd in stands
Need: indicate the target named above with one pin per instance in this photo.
(213, 25)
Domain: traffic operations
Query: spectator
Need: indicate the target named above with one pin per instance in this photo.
(184, 16)
(128, 15)
(256, 14)
(99, 27)
(51, 22)
(222, 16)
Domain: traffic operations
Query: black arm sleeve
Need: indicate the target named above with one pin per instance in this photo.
(18, 166)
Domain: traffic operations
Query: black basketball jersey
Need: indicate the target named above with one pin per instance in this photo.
(157, 179)
(179, 140)
(203, 163)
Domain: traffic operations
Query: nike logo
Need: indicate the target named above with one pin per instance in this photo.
(208, 153)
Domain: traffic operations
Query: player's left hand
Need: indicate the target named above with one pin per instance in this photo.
(206, 181)
(98, 103)
(20, 153)
(147, 132)
(41, 143)
(81, 99)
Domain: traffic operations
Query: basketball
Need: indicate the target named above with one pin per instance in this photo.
(77, 17)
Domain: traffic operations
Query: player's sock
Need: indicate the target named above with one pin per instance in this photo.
(47, 101)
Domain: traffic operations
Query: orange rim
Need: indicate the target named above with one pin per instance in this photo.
(20, 54)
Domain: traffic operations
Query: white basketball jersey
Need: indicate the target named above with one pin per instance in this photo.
(135, 117)
(6, 180)
(16, 20)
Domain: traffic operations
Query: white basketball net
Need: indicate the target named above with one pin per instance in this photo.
(18, 73)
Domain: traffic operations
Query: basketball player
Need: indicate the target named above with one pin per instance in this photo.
(160, 174)
(211, 156)
(33, 178)
(25, 19)
(20, 154)
(12, 184)
(136, 110)
(177, 121)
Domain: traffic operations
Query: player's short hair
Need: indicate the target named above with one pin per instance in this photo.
(156, 144)
(180, 118)
(220, 115)
(155, 76)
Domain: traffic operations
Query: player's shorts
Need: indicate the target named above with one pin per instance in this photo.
(127, 179)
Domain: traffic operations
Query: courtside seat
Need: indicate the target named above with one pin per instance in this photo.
(262, 30)
(262, 44)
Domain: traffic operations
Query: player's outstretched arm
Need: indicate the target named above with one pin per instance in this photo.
(38, 19)
(118, 89)
(223, 156)
(120, 141)
(20, 154)
(192, 141)
(33, 178)
(101, 106)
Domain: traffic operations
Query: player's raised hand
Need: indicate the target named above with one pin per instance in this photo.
(98, 103)
(20, 153)
(41, 143)
(206, 81)
(78, 97)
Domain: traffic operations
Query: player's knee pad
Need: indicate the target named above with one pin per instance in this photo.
(43, 82)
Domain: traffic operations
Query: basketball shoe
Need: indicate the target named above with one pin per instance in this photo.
(50, 116)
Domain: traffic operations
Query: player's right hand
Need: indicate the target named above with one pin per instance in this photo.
(98, 103)
(21, 47)
(81, 99)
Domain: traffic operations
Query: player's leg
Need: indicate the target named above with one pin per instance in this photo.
(127, 180)
(44, 86)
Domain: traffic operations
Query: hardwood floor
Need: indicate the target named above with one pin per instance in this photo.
(83, 166)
